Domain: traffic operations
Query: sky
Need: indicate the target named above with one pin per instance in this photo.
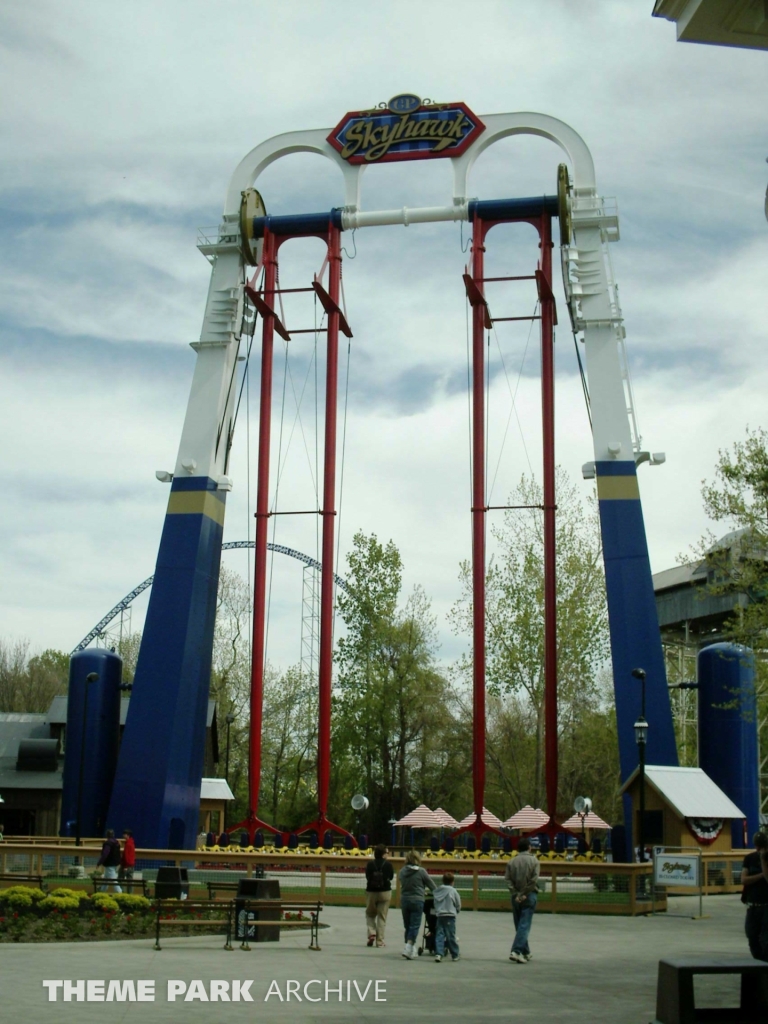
(121, 125)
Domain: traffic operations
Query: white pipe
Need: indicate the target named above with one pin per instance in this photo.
(407, 215)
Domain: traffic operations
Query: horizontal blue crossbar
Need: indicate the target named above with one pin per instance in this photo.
(512, 209)
(298, 223)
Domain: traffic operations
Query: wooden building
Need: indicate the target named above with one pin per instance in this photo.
(683, 807)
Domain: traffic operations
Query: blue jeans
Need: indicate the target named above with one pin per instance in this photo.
(446, 936)
(523, 915)
(412, 914)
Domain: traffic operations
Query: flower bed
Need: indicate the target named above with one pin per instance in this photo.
(29, 915)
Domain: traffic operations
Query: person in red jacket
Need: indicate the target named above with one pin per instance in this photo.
(127, 858)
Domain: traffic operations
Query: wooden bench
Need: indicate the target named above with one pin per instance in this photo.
(126, 884)
(250, 906)
(14, 879)
(675, 999)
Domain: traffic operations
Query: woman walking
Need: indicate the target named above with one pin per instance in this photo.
(378, 887)
(413, 881)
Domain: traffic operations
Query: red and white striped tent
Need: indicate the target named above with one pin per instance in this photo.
(448, 820)
(591, 820)
(422, 817)
(486, 817)
(527, 819)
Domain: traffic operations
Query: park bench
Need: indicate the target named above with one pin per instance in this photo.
(223, 886)
(675, 997)
(228, 916)
(15, 879)
(127, 885)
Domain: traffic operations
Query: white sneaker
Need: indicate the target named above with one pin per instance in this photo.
(527, 957)
(438, 958)
(409, 952)
(517, 958)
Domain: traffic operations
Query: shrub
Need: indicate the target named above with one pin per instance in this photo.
(129, 902)
(34, 894)
(55, 902)
(77, 894)
(17, 900)
(104, 902)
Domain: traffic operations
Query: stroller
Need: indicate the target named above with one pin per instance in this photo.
(430, 926)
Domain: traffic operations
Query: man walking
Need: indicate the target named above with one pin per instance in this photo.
(754, 878)
(127, 860)
(522, 875)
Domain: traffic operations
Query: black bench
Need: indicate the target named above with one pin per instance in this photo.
(126, 884)
(674, 992)
(227, 915)
(14, 879)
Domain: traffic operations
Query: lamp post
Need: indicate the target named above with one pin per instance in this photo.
(641, 738)
(229, 720)
(90, 678)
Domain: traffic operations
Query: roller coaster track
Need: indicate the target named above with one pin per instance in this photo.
(232, 545)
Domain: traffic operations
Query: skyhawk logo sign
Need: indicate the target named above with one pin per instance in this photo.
(399, 133)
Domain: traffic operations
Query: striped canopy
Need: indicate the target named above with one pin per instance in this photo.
(527, 819)
(422, 817)
(486, 817)
(447, 820)
(591, 820)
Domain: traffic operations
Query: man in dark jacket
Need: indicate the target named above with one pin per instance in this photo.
(110, 860)
(754, 878)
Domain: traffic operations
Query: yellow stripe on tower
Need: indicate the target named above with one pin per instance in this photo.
(617, 488)
(198, 503)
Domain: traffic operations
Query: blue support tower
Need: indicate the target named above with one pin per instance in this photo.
(92, 742)
(728, 748)
(157, 787)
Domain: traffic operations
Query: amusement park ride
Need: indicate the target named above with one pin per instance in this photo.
(157, 782)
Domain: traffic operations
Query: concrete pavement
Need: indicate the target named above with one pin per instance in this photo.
(594, 968)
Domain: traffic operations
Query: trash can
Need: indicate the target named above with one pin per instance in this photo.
(171, 884)
(257, 889)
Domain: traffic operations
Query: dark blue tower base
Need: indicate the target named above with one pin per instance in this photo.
(634, 624)
(157, 784)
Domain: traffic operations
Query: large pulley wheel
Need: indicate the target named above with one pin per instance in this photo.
(251, 205)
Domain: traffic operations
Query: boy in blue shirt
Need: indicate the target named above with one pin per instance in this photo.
(447, 906)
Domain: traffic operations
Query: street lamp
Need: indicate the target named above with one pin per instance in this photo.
(90, 678)
(229, 720)
(641, 739)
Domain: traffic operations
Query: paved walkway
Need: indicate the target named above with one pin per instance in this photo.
(584, 968)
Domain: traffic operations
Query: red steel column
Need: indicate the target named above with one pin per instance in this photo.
(550, 579)
(478, 524)
(329, 512)
(262, 521)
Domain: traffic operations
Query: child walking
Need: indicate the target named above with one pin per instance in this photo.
(447, 906)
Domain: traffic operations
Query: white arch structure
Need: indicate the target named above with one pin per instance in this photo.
(179, 622)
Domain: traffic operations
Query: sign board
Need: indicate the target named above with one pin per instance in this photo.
(406, 129)
(677, 869)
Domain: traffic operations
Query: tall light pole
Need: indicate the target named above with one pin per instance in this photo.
(90, 678)
(641, 738)
(229, 720)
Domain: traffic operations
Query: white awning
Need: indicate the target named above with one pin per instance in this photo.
(215, 789)
(689, 791)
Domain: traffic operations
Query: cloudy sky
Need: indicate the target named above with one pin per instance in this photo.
(121, 125)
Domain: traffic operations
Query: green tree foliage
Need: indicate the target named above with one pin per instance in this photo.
(29, 683)
(392, 707)
(737, 564)
(515, 649)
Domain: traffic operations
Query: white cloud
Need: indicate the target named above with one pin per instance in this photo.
(123, 124)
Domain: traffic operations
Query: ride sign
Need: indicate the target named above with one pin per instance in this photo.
(406, 130)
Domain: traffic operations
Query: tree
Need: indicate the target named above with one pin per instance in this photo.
(515, 632)
(29, 684)
(738, 564)
(392, 705)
